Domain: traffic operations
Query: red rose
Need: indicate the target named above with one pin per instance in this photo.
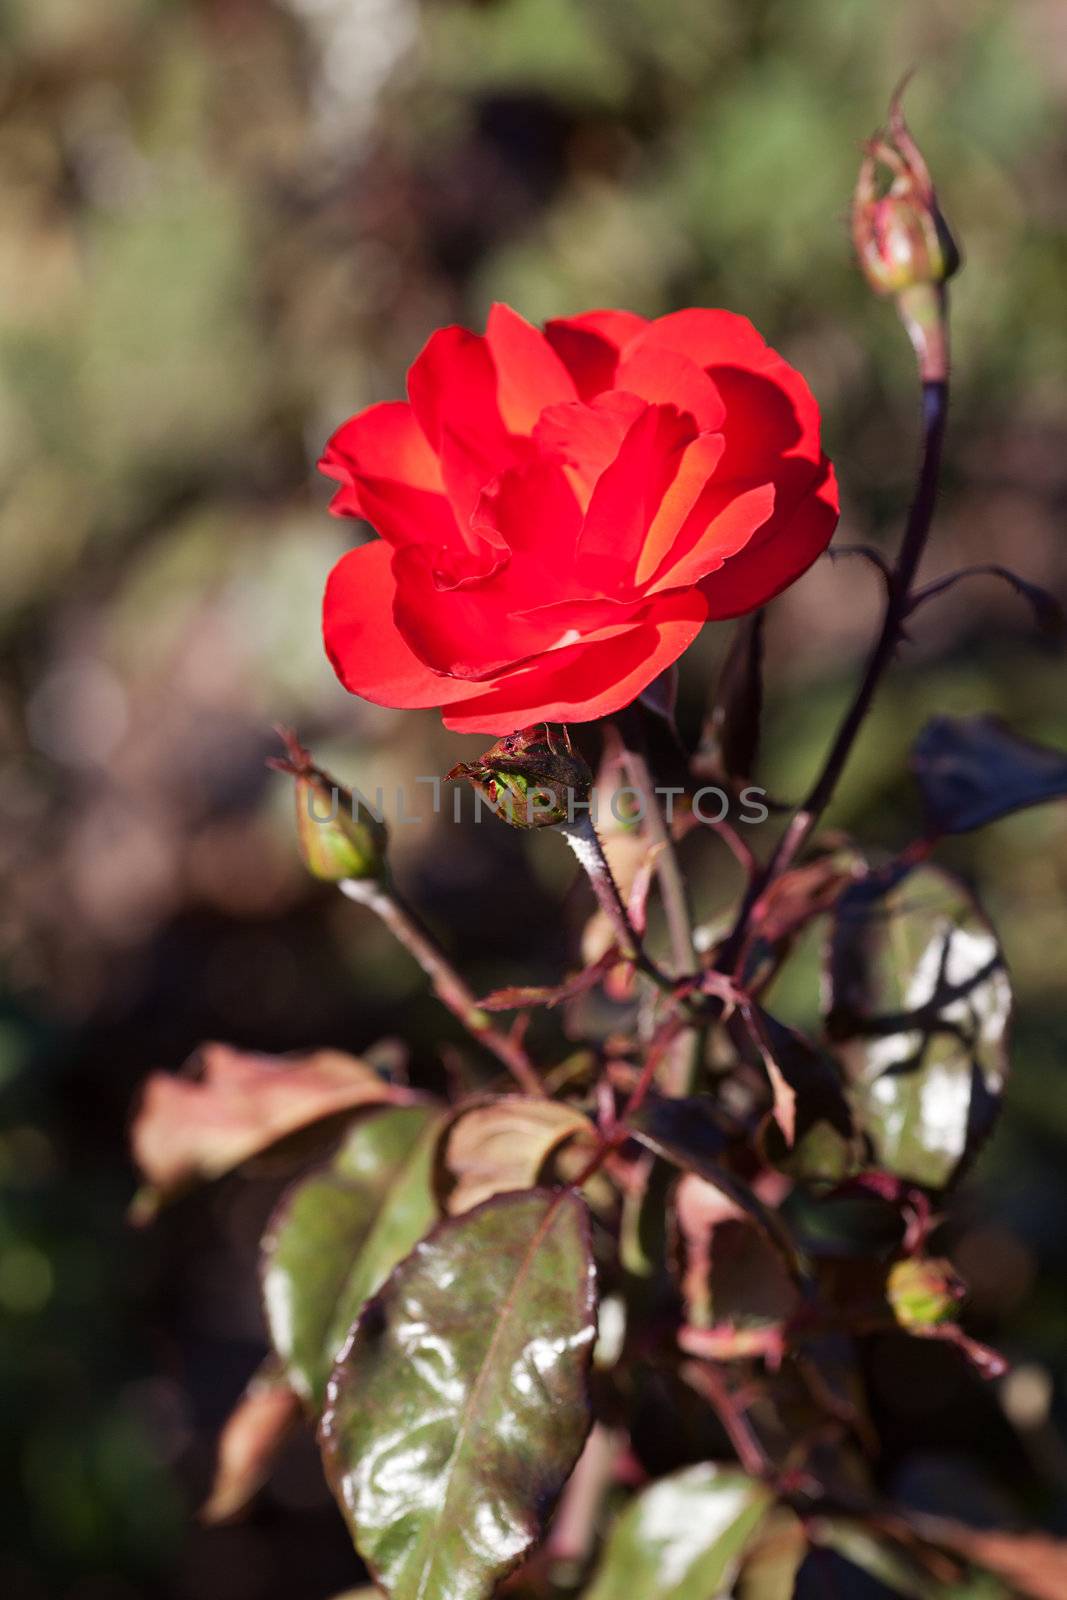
(561, 512)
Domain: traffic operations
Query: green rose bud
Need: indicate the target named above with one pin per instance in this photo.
(923, 1292)
(531, 779)
(338, 837)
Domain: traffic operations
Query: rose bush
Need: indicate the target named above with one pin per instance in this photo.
(561, 512)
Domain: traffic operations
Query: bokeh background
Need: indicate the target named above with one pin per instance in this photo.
(224, 226)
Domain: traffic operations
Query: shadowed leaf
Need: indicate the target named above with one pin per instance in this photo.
(973, 770)
(730, 1274)
(661, 697)
(254, 1433)
(460, 1407)
(878, 1557)
(920, 1005)
(729, 745)
(336, 1235)
(689, 1134)
(502, 1146)
(683, 1538)
(814, 1136)
(235, 1104)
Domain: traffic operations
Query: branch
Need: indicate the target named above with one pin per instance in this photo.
(671, 883)
(898, 606)
(449, 987)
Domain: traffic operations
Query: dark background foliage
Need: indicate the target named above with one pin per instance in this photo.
(225, 225)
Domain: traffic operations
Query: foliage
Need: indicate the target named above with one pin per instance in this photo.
(209, 256)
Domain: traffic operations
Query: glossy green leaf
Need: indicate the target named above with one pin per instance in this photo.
(337, 1235)
(920, 1007)
(683, 1538)
(461, 1405)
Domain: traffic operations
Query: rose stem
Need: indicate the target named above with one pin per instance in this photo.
(898, 605)
(582, 838)
(449, 987)
(671, 883)
(687, 1052)
(708, 1382)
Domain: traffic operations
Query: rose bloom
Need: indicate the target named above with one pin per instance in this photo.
(561, 512)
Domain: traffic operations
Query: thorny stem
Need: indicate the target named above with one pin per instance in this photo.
(671, 883)
(687, 1051)
(405, 925)
(583, 840)
(658, 1050)
(898, 605)
(705, 1378)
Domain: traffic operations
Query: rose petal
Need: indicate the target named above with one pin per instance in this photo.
(628, 496)
(369, 654)
(587, 437)
(666, 377)
(389, 475)
(770, 413)
(722, 521)
(453, 390)
(700, 459)
(588, 680)
(780, 552)
(530, 375)
(481, 628)
(532, 511)
(711, 338)
(590, 345)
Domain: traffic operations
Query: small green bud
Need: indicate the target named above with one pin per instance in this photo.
(531, 779)
(339, 838)
(923, 1292)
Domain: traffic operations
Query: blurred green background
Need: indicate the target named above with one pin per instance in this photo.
(224, 226)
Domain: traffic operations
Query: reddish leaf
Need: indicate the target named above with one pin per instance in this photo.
(805, 1082)
(1033, 1563)
(254, 1433)
(790, 905)
(733, 1279)
(495, 1148)
(515, 998)
(233, 1104)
